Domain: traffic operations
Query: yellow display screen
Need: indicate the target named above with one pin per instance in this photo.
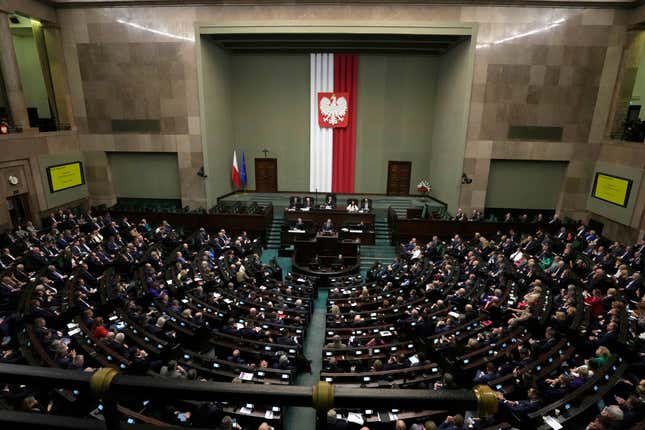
(64, 176)
(612, 189)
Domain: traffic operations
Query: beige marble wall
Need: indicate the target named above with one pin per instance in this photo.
(534, 66)
(121, 70)
(24, 150)
(549, 73)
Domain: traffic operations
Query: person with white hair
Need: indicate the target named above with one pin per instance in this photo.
(612, 413)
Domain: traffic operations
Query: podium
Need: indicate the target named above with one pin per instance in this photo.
(319, 256)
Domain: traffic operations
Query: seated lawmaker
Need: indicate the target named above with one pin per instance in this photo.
(307, 204)
(352, 206)
(327, 227)
(329, 202)
(299, 225)
(365, 206)
(295, 204)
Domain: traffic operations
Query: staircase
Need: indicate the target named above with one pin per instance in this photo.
(273, 235)
(381, 250)
(400, 206)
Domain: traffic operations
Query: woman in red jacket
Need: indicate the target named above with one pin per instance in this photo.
(97, 328)
(594, 301)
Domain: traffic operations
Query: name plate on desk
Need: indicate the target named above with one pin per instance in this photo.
(297, 231)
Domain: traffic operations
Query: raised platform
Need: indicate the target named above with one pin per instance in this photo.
(380, 202)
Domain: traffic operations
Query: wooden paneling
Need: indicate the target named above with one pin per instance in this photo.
(266, 175)
(398, 178)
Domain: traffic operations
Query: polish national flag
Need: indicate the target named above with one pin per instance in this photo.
(235, 172)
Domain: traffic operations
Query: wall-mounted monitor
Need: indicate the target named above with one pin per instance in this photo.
(611, 189)
(64, 176)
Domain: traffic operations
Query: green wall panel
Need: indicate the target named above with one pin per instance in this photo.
(256, 101)
(153, 175)
(396, 97)
(524, 184)
(454, 82)
(216, 100)
(31, 73)
(270, 109)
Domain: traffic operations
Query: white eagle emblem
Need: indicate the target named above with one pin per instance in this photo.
(333, 109)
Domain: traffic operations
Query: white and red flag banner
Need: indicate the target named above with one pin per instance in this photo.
(235, 172)
(333, 122)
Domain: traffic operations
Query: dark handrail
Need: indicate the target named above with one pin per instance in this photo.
(321, 396)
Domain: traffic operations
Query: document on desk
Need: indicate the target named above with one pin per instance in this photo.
(552, 422)
(268, 415)
(245, 376)
(353, 417)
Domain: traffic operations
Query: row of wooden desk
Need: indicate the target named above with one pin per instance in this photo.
(403, 229)
(337, 216)
(256, 225)
(348, 225)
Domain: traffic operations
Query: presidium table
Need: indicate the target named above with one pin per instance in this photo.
(327, 255)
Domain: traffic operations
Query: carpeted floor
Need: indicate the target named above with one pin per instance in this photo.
(305, 418)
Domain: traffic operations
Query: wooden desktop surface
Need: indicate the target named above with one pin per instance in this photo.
(338, 217)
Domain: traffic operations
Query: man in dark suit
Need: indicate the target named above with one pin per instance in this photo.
(609, 338)
(308, 203)
(299, 225)
(295, 203)
(521, 408)
(37, 257)
(329, 202)
(365, 206)
(327, 227)
(634, 285)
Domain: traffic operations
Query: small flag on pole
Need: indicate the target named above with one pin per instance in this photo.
(243, 171)
(235, 172)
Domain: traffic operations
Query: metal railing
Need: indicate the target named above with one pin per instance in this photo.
(110, 386)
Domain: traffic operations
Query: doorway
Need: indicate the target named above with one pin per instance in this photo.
(398, 178)
(18, 207)
(266, 175)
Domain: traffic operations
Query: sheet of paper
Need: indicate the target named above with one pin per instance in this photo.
(353, 417)
(552, 422)
(245, 376)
